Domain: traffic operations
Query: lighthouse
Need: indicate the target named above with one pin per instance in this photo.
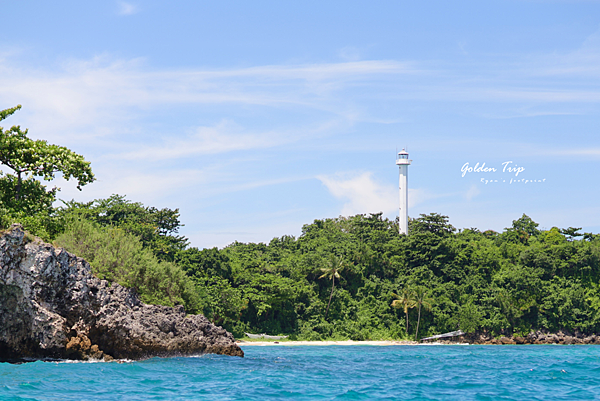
(403, 162)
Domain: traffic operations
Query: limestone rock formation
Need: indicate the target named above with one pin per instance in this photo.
(536, 337)
(51, 306)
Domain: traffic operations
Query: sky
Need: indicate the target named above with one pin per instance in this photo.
(256, 118)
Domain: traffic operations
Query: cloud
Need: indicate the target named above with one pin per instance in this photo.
(226, 136)
(93, 92)
(591, 151)
(578, 152)
(127, 8)
(133, 181)
(416, 196)
(361, 193)
(105, 109)
(102, 93)
(93, 98)
(582, 61)
(350, 53)
(472, 192)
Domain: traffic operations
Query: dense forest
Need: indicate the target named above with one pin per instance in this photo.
(342, 278)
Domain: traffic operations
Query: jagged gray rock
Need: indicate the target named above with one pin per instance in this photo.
(534, 337)
(51, 306)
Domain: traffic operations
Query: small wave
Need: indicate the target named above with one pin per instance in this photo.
(75, 361)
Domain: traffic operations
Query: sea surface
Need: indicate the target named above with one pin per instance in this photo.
(431, 372)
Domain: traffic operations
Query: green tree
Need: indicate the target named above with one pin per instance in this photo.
(405, 300)
(38, 198)
(571, 232)
(434, 223)
(332, 271)
(468, 317)
(524, 223)
(118, 256)
(156, 228)
(521, 230)
(29, 158)
(422, 300)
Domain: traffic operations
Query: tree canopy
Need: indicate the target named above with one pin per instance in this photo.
(28, 159)
(512, 282)
(156, 228)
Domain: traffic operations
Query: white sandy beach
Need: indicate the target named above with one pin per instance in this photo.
(348, 342)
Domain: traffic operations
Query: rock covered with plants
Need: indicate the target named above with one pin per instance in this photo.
(51, 306)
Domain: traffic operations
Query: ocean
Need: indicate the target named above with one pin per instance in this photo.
(428, 372)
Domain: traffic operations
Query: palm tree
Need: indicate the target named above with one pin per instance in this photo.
(406, 300)
(422, 300)
(332, 271)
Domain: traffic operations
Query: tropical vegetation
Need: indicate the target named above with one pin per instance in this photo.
(343, 278)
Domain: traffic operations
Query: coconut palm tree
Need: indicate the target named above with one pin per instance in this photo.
(422, 300)
(332, 271)
(405, 300)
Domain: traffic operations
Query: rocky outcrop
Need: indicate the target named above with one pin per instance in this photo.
(537, 337)
(51, 306)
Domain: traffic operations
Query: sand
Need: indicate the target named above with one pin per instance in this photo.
(321, 343)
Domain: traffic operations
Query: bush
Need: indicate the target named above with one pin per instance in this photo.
(118, 256)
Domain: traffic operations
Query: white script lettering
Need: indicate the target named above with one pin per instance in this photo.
(514, 169)
(477, 169)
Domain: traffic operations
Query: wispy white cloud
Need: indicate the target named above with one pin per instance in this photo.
(582, 61)
(565, 151)
(127, 8)
(350, 53)
(94, 97)
(462, 48)
(587, 152)
(135, 182)
(361, 193)
(102, 93)
(226, 136)
(472, 192)
(417, 196)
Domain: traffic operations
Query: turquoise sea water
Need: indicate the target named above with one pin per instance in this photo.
(323, 373)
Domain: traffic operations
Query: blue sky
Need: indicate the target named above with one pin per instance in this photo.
(254, 118)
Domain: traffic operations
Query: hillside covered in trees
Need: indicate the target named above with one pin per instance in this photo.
(342, 278)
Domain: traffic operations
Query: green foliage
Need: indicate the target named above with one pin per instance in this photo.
(423, 301)
(118, 256)
(511, 282)
(406, 301)
(433, 223)
(525, 224)
(29, 158)
(520, 280)
(37, 199)
(156, 228)
(571, 232)
(332, 271)
(45, 225)
(23, 198)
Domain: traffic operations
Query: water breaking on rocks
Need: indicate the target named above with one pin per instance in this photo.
(52, 307)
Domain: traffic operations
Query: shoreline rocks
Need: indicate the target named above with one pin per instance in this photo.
(537, 337)
(52, 307)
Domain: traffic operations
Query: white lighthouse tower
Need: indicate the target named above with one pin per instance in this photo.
(403, 162)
